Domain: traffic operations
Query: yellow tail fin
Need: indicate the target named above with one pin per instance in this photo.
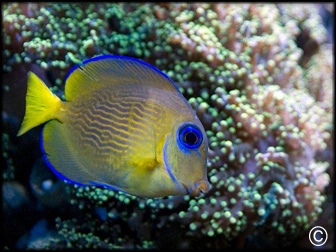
(41, 104)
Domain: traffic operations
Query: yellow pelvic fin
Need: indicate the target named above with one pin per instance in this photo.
(144, 164)
(41, 104)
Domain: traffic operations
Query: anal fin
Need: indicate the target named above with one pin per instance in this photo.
(61, 156)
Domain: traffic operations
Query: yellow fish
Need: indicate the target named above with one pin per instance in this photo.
(124, 126)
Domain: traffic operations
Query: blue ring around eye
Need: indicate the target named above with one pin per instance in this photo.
(190, 136)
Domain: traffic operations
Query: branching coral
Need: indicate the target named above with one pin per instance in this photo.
(260, 89)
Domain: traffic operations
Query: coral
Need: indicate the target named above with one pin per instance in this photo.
(308, 31)
(259, 78)
(47, 188)
(18, 213)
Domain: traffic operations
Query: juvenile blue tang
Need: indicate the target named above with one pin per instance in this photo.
(124, 126)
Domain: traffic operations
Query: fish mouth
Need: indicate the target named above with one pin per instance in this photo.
(201, 186)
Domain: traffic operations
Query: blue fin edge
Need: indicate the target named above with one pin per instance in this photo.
(51, 167)
(110, 56)
(62, 177)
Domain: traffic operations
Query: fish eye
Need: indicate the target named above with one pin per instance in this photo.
(190, 136)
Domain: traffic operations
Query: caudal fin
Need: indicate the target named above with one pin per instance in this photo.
(41, 104)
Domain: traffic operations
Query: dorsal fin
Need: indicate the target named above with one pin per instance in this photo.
(109, 70)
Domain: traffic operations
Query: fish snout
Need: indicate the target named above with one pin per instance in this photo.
(198, 187)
